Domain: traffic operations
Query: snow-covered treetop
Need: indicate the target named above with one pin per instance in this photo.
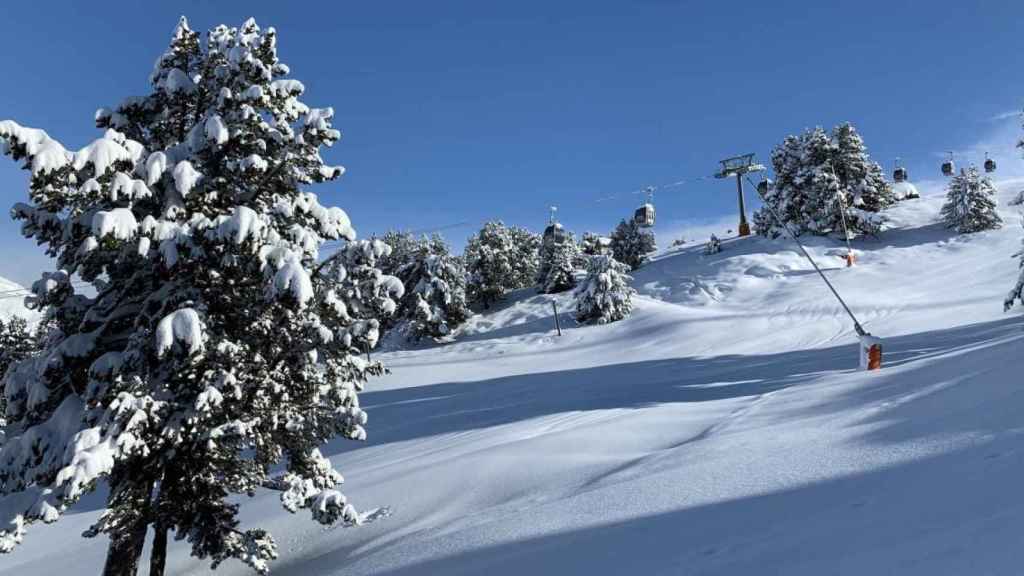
(212, 324)
(225, 102)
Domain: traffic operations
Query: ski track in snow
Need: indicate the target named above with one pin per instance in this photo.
(722, 429)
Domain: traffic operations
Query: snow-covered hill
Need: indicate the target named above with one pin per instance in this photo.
(12, 300)
(722, 429)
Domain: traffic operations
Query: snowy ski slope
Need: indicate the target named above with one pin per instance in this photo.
(11, 301)
(722, 429)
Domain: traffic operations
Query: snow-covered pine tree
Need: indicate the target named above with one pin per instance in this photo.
(593, 245)
(404, 246)
(631, 244)
(605, 295)
(435, 298)
(970, 203)
(17, 342)
(371, 296)
(558, 263)
(817, 175)
(499, 258)
(860, 178)
(213, 351)
(1017, 293)
(527, 246)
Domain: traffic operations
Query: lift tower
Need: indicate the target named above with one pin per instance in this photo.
(739, 166)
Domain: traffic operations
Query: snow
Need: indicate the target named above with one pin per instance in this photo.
(46, 153)
(242, 225)
(182, 327)
(905, 190)
(254, 162)
(285, 88)
(156, 165)
(177, 81)
(119, 223)
(127, 188)
(12, 301)
(104, 153)
(293, 280)
(722, 428)
(216, 130)
(185, 177)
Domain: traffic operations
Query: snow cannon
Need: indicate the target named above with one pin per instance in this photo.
(870, 352)
(850, 259)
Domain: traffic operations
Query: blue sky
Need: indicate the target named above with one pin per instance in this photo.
(465, 111)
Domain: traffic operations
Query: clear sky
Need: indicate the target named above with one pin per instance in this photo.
(465, 111)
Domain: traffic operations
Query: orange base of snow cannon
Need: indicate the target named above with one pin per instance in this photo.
(850, 259)
(870, 353)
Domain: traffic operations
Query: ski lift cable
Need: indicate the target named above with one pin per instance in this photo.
(856, 324)
(648, 189)
(20, 292)
(332, 243)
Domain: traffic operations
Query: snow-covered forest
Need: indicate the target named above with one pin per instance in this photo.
(214, 345)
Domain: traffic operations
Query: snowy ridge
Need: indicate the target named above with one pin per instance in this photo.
(720, 429)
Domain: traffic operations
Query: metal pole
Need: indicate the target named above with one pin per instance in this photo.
(842, 213)
(558, 326)
(744, 227)
(856, 324)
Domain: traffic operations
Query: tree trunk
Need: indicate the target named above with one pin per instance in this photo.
(158, 555)
(124, 552)
(125, 547)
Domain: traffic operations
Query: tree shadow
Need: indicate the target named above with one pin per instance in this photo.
(926, 389)
(419, 411)
(903, 519)
(415, 412)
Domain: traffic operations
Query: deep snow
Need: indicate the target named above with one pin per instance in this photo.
(722, 429)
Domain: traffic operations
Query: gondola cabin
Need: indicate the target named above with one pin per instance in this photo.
(948, 167)
(554, 233)
(990, 165)
(644, 215)
(899, 174)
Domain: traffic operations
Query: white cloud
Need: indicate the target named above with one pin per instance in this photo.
(1006, 115)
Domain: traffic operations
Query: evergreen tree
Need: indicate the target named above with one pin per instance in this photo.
(500, 258)
(558, 263)
(818, 176)
(605, 295)
(404, 247)
(17, 342)
(215, 356)
(1017, 293)
(861, 179)
(435, 299)
(594, 245)
(970, 203)
(372, 297)
(631, 244)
